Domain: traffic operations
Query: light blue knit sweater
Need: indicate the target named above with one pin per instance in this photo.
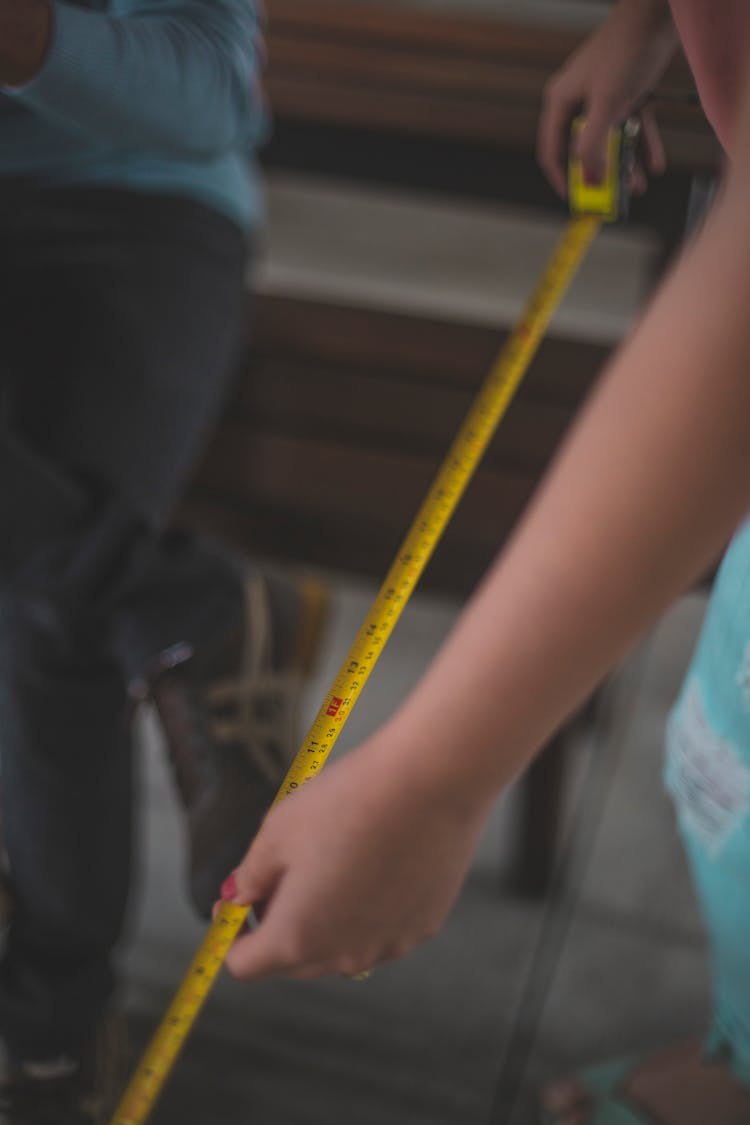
(155, 95)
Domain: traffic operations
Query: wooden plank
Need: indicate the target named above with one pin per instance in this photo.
(366, 548)
(343, 481)
(413, 348)
(424, 112)
(402, 69)
(322, 100)
(387, 23)
(440, 74)
(338, 405)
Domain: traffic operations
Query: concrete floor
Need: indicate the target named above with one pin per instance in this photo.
(613, 962)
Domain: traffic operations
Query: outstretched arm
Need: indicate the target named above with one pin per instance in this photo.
(368, 859)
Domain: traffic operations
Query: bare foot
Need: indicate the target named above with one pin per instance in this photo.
(674, 1087)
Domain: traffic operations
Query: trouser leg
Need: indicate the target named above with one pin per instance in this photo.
(66, 810)
(125, 313)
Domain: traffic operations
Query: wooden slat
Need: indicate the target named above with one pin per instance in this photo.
(439, 73)
(414, 348)
(401, 69)
(367, 548)
(358, 92)
(377, 411)
(348, 509)
(339, 421)
(341, 415)
(408, 112)
(343, 480)
(387, 23)
(380, 24)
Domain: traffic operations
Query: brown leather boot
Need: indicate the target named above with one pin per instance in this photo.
(229, 714)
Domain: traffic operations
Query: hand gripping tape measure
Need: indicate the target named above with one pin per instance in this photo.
(491, 403)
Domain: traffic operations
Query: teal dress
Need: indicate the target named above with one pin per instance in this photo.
(159, 96)
(708, 774)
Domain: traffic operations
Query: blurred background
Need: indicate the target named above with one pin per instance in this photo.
(407, 224)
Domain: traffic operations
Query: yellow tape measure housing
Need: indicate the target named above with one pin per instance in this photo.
(609, 200)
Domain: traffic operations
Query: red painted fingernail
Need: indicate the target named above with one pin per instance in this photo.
(229, 888)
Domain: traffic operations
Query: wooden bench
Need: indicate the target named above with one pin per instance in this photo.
(440, 72)
(344, 409)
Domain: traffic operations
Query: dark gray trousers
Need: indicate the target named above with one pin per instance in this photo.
(120, 315)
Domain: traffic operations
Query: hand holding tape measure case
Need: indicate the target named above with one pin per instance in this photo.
(610, 198)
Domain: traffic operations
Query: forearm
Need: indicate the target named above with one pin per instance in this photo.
(650, 24)
(651, 11)
(181, 82)
(25, 30)
(647, 491)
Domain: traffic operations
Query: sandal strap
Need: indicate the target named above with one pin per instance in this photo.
(610, 1103)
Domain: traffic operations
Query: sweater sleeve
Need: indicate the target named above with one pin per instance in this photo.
(183, 81)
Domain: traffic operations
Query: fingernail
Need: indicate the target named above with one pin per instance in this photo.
(229, 888)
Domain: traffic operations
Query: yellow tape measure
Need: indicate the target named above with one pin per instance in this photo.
(463, 457)
(447, 489)
(414, 553)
